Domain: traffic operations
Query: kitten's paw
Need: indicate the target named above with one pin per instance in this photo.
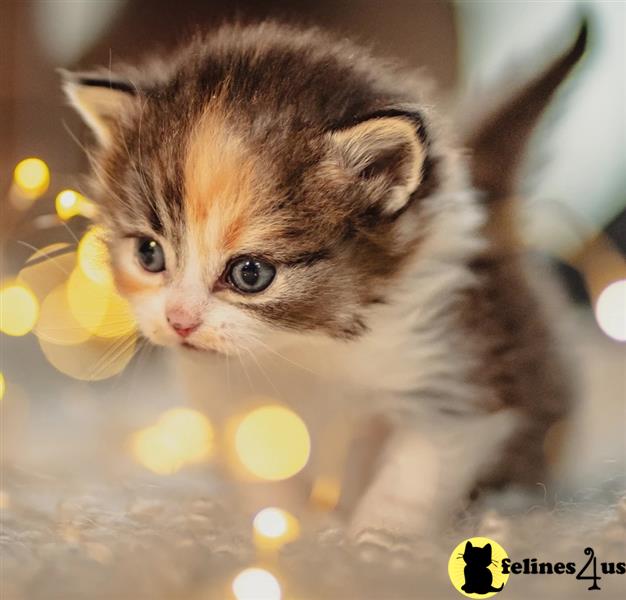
(379, 545)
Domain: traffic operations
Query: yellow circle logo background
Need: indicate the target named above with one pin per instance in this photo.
(456, 566)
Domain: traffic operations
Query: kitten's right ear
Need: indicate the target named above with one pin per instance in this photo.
(386, 150)
(468, 546)
(101, 101)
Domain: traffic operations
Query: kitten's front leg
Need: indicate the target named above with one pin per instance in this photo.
(425, 474)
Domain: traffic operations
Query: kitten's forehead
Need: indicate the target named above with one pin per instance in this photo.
(219, 177)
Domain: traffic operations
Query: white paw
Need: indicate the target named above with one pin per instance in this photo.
(380, 545)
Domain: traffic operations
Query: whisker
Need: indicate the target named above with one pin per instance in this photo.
(230, 389)
(46, 255)
(261, 370)
(74, 137)
(279, 355)
(69, 230)
(244, 369)
(112, 354)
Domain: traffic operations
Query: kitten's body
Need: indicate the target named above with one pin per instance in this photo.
(396, 292)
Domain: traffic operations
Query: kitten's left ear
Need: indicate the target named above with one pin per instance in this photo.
(100, 100)
(386, 151)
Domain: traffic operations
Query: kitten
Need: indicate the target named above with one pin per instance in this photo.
(277, 196)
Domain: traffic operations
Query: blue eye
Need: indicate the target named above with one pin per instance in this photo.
(250, 275)
(150, 255)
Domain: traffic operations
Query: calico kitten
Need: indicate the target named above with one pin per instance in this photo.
(269, 192)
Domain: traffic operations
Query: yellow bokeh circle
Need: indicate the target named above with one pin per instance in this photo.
(66, 204)
(180, 436)
(273, 527)
(256, 584)
(32, 177)
(19, 310)
(93, 257)
(475, 568)
(96, 359)
(272, 443)
(56, 323)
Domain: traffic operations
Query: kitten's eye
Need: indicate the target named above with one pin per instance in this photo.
(150, 255)
(250, 275)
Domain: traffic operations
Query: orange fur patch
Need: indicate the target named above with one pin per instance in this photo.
(219, 176)
(131, 286)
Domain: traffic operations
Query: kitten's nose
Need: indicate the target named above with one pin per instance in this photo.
(182, 322)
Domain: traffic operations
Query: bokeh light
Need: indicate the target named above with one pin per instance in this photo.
(98, 307)
(66, 204)
(93, 257)
(87, 300)
(2, 385)
(272, 442)
(32, 177)
(326, 492)
(273, 527)
(69, 204)
(19, 310)
(271, 522)
(56, 322)
(47, 268)
(610, 310)
(181, 436)
(256, 584)
(98, 358)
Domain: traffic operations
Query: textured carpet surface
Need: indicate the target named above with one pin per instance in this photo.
(149, 540)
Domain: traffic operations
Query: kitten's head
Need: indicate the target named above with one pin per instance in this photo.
(262, 181)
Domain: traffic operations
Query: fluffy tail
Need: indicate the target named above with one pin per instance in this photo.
(496, 145)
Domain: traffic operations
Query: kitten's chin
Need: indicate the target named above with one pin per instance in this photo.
(189, 347)
(193, 348)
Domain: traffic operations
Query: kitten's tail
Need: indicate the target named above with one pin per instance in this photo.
(497, 144)
(495, 589)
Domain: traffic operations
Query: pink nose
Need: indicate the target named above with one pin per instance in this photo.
(183, 322)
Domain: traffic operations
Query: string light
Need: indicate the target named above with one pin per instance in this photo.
(69, 204)
(272, 442)
(610, 310)
(181, 436)
(31, 177)
(256, 584)
(66, 204)
(273, 527)
(18, 310)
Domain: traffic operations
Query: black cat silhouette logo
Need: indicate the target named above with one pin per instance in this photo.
(475, 568)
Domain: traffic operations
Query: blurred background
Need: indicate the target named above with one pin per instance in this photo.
(84, 403)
